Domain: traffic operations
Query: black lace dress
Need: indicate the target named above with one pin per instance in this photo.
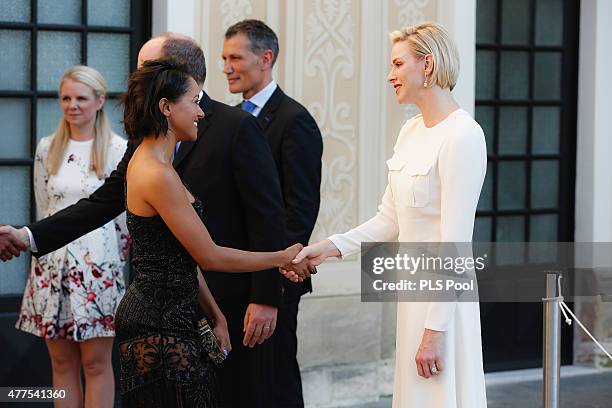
(162, 361)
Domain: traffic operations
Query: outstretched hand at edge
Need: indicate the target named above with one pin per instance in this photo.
(12, 242)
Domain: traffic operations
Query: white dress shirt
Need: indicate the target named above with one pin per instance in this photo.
(261, 97)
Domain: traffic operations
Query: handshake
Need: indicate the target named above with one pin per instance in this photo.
(306, 259)
(12, 242)
(300, 261)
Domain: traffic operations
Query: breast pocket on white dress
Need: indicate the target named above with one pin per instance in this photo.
(409, 181)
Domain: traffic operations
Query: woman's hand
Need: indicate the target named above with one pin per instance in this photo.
(429, 356)
(290, 253)
(222, 333)
(315, 254)
(296, 272)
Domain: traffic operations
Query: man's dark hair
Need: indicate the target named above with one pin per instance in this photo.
(156, 79)
(187, 52)
(260, 36)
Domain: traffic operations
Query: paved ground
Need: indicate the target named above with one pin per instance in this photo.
(580, 388)
(582, 391)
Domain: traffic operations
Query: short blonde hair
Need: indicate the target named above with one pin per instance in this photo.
(432, 38)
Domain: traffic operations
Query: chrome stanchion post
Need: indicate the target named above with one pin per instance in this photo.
(552, 342)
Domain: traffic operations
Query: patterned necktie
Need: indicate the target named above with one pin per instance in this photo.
(248, 106)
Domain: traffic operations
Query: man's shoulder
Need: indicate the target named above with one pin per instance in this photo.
(292, 109)
(222, 111)
(229, 120)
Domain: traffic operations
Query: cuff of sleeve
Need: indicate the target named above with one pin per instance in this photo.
(440, 315)
(266, 288)
(270, 300)
(342, 244)
(33, 247)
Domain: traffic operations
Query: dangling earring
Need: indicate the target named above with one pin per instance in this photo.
(425, 83)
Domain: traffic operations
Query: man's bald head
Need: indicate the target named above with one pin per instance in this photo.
(178, 46)
(151, 50)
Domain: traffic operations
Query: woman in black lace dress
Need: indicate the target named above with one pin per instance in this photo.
(162, 361)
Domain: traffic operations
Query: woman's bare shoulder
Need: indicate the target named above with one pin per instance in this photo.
(146, 173)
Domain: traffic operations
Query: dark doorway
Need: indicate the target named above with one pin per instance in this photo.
(526, 94)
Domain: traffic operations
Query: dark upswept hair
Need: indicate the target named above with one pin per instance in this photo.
(187, 52)
(156, 79)
(260, 36)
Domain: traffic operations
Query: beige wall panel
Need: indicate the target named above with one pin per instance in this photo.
(281, 31)
(338, 330)
(329, 88)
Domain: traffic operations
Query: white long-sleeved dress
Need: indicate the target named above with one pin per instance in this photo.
(434, 182)
(73, 292)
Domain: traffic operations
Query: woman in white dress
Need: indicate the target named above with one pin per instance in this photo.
(434, 181)
(72, 294)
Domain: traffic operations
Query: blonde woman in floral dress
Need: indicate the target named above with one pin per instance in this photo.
(72, 294)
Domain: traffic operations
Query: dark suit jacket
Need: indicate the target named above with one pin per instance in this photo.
(230, 168)
(297, 148)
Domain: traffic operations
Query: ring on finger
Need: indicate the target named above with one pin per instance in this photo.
(434, 370)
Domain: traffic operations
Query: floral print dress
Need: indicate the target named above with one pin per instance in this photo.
(72, 293)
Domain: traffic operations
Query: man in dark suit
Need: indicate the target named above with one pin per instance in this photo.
(250, 50)
(231, 169)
